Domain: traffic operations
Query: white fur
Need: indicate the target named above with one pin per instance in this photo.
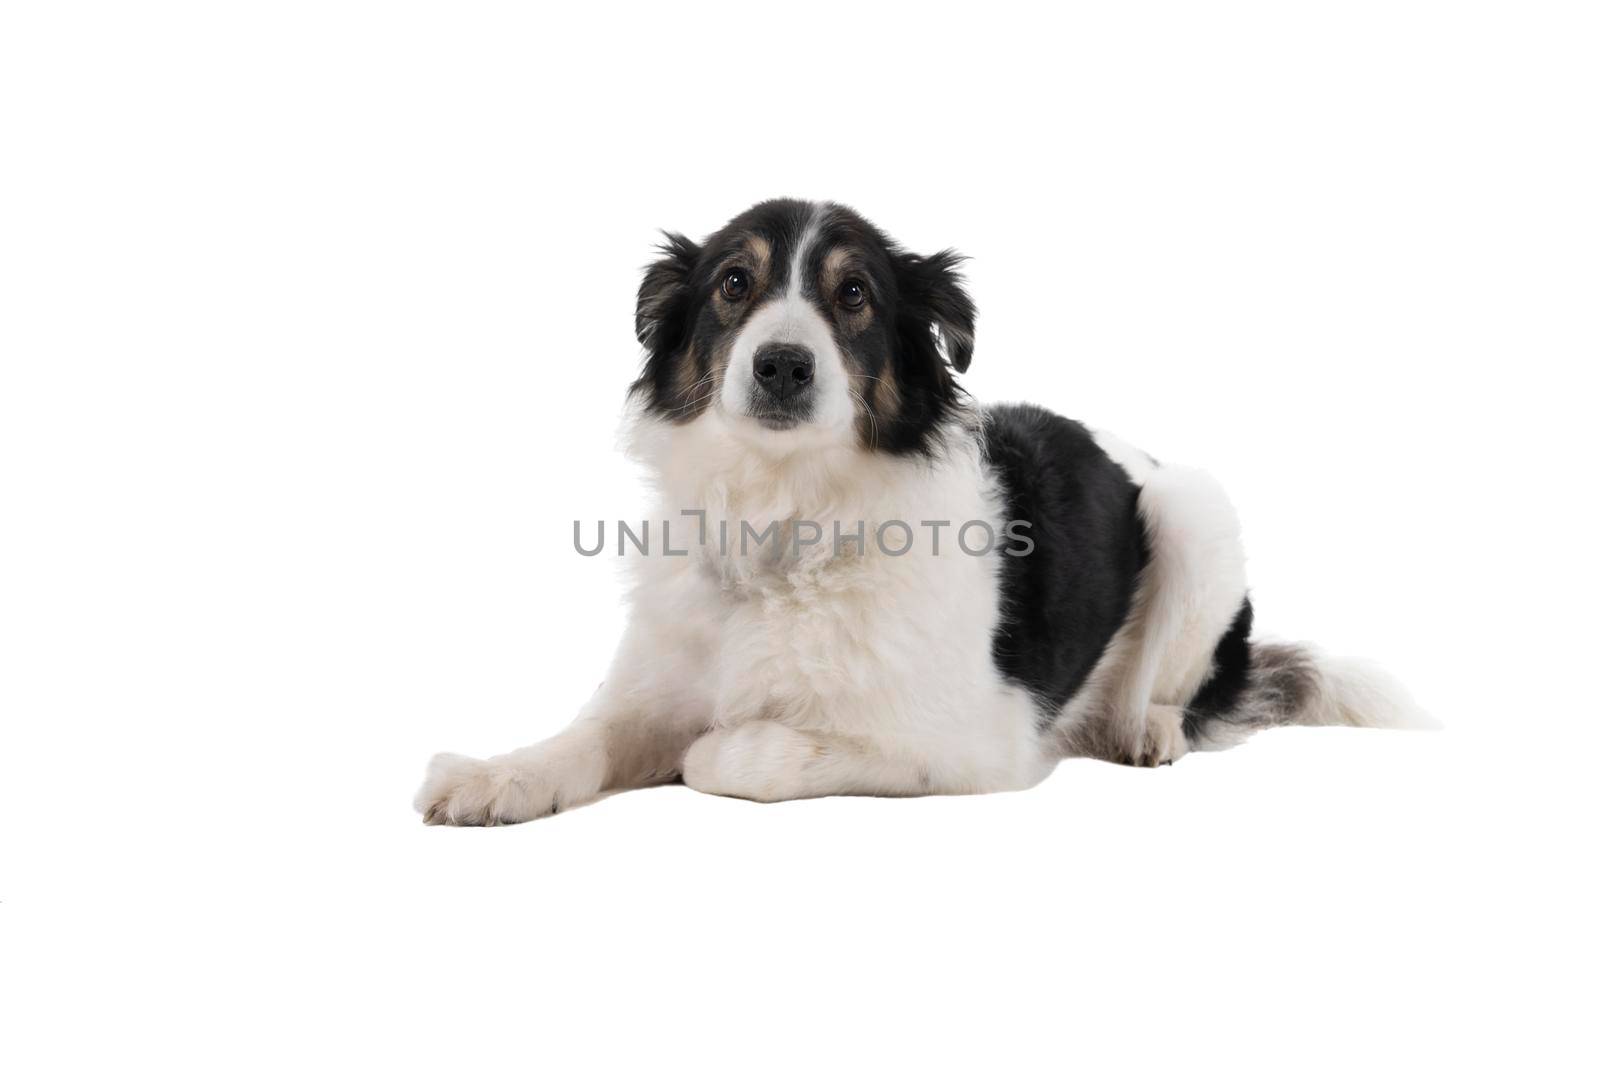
(809, 675)
(1135, 463)
(1353, 692)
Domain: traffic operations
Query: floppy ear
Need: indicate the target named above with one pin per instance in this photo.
(932, 294)
(661, 319)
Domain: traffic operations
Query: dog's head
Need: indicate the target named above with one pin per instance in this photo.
(801, 323)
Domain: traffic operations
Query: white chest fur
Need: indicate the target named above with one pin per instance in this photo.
(882, 628)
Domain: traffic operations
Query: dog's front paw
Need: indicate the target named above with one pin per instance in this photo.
(462, 791)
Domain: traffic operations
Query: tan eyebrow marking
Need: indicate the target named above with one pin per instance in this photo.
(755, 255)
(836, 266)
(760, 250)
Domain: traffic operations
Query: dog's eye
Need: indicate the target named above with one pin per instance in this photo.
(852, 295)
(736, 284)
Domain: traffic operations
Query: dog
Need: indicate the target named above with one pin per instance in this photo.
(943, 598)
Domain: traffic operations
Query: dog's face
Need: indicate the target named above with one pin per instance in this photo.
(801, 323)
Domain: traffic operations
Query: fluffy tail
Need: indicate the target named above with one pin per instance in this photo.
(1297, 685)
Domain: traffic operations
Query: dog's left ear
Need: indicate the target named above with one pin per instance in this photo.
(932, 293)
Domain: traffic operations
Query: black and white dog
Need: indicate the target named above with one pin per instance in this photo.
(941, 598)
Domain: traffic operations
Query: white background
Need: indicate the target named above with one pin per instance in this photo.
(316, 322)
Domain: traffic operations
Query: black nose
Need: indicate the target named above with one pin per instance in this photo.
(784, 371)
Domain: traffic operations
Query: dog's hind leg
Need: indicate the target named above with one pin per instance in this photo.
(1189, 593)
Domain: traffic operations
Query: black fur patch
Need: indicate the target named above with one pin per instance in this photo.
(1229, 678)
(900, 350)
(1062, 603)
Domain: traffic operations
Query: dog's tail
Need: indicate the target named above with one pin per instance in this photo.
(1288, 684)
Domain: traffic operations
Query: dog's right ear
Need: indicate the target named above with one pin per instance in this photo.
(661, 320)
